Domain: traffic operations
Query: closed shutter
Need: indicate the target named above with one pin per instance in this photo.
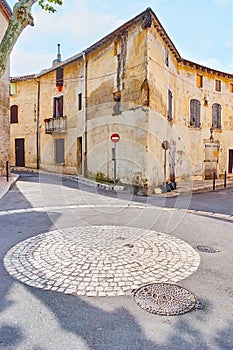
(169, 115)
(195, 113)
(59, 77)
(59, 151)
(216, 116)
(14, 114)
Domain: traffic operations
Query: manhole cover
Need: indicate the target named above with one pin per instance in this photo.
(206, 249)
(165, 299)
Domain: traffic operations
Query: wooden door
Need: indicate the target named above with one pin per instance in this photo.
(230, 164)
(19, 153)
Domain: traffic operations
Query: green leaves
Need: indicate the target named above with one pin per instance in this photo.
(47, 5)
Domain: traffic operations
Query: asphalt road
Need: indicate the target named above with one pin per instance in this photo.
(35, 319)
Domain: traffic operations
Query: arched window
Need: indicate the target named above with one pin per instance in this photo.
(195, 113)
(14, 114)
(216, 116)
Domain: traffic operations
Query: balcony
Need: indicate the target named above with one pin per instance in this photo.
(55, 125)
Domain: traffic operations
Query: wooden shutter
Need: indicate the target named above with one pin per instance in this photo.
(59, 151)
(59, 76)
(169, 116)
(195, 113)
(14, 114)
(216, 116)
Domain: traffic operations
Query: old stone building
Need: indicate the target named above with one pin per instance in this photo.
(174, 117)
(5, 14)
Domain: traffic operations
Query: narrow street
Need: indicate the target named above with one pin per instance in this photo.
(99, 246)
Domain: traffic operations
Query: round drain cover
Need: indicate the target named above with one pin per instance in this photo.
(165, 299)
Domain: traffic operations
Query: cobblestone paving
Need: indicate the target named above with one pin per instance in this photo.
(100, 260)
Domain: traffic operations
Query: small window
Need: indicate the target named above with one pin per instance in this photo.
(169, 112)
(199, 80)
(14, 114)
(58, 106)
(80, 101)
(231, 87)
(216, 116)
(166, 57)
(195, 113)
(13, 89)
(59, 151)
(218, 86)
(59, 76)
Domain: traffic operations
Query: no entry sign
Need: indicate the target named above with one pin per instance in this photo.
(115, 137)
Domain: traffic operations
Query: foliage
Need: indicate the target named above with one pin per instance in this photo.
(19, 20)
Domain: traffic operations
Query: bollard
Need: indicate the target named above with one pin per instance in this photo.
(214, 182)
(225, 179)
(7, 171)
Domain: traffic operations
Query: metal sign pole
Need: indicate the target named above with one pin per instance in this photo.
(114, 163)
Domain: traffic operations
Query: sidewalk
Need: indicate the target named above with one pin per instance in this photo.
(182, 187)
(6, 185)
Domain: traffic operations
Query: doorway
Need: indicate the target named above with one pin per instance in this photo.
(19, 153)
(79, 155)
(230, 164)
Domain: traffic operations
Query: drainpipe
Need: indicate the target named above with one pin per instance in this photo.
(85, 113)
(37, 126)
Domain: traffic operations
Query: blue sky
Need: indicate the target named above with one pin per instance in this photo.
(202, 31)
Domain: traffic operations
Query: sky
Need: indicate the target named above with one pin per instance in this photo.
(201, 30)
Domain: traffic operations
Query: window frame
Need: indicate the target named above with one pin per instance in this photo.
(218, 85)
(58, 106)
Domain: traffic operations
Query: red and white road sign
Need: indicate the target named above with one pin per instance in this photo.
(115, 137)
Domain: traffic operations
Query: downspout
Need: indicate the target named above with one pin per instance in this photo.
(37, 126)
(85, 113)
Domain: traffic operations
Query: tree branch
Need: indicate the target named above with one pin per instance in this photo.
(20, 19)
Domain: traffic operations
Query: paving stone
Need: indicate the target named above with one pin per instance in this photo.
(93, 261)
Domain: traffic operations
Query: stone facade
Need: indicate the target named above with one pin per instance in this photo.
(5, 14)
(135, 83)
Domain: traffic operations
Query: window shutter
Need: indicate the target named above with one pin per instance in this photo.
(216, 115)
(195, 113)
(169, 116)
(59, 151)
(59, 76)
(14, 114)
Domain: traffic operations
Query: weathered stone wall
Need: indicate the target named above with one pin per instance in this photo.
(4, 110)
(187, 153)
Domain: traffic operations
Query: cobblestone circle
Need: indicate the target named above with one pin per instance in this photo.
(100, 260)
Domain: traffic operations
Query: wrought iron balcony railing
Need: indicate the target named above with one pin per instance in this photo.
(55, 125)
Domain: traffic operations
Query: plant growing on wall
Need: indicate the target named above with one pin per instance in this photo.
(19, 20)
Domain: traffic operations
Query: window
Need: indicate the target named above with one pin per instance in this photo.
(216, 116)
(58, 106)
(13, 88)
(80, 101)
(218, 86)
(231, 87)
(166, 57)
(59, 151)
(59, 76)
(199, 80)
(195, 113)
(169, 112)
(14, 114)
